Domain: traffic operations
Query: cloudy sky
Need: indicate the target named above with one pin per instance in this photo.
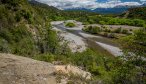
(90, 4)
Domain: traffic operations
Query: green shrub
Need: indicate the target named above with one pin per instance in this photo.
(138, 22)
(124, 31)
(118, 30)
(95, 30)
(92, 29)
(102, 22)
(130, 30)
(4, 47)
(25, 47)
(26, 15)
(107, 30)
(18, 17)
(45, 57)
(70, 24)
(111, 35)
(105, 34)
(113, 21)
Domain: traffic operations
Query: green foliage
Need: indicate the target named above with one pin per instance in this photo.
(111, 35)
(18, 17)
(104, 20)
(70, 24)
(105, 34)
(92, 29)
(125, 31)
(118, 30)
(23, 34)
(138, 22)
(52, 42)
(4, 46)
(136, 43)
(137, 13)
(45, 57)
(126, 73)
(107, 30)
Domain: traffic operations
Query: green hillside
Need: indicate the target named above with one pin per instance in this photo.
(24, 30)
(138, 13)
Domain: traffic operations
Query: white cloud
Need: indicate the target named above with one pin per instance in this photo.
(91, 4)
(130, 3)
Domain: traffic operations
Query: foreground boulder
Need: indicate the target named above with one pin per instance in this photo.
(69, 69)
(21, 70)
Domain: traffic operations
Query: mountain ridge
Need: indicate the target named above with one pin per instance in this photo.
(115, 10)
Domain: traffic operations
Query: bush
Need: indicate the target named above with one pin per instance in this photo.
(92, 29)
(95, 30)
(111, 35)
(124, 31)
(117, 30)
(107, 30)
(130, 30)
(114, 21)
(138, 22)
(70, 24)
(4, 46)
(105, 34)
(102, 22)
(45, 57)
(18, 17)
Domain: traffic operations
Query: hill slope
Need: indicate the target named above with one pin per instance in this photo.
(23, 30)
(139, 13)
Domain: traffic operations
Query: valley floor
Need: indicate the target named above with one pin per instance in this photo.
(81, 38)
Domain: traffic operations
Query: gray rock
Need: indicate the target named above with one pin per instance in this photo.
(21, 70)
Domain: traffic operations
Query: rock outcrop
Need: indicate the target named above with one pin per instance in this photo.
(21, 70)
(67, 69)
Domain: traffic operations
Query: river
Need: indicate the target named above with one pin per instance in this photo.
(103, 44)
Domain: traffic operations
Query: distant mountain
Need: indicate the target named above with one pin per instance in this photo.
(104, 10)
(110, 10)
(115, 10)
(144, 4)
